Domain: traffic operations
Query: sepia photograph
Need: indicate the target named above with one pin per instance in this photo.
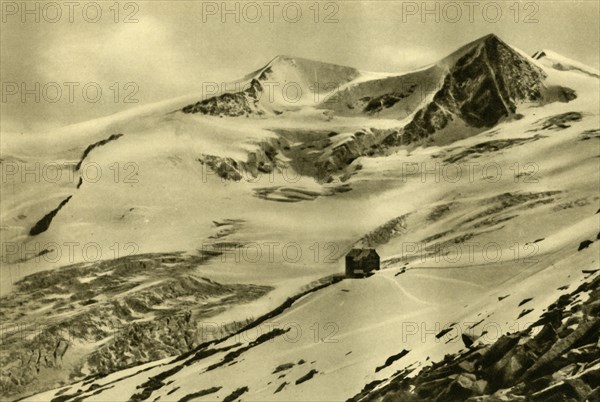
(300, 201)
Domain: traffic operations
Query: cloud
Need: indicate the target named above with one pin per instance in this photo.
(153, 54)
(145, 52)
(405, 57)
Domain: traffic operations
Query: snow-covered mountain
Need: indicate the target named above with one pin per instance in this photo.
(562, 63)
(284, 83)
(476, 178)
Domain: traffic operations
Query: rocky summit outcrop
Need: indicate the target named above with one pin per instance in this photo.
(485, 85)
(233, 104)
(556, 359)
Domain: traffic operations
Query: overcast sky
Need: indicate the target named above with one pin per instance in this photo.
(169, 48)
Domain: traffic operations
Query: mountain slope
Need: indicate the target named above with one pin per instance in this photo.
(478, 232)
(561, 63)
(472, 89)
(285, 82)
(482, 87)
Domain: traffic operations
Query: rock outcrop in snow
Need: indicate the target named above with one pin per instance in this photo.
(557, 358)
(234, 104)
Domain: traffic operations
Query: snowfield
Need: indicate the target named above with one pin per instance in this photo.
(242, 223)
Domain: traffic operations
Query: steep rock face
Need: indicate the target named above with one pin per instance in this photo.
(230, 104)
(484, 86)
(378, 103)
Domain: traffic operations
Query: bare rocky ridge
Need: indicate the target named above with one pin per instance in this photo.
(91, 147)
(482, 88)
(395, 96)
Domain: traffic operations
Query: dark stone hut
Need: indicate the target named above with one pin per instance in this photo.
(361, 261)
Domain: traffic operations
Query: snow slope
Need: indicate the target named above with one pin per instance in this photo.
(562, 63)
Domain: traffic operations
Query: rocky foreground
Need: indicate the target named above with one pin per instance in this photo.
(556, 359)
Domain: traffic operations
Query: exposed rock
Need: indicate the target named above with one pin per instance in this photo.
(467, 340)
(262, 161)
(527, 300)
(199, 394)
(91, 147)
(281, 387)
(559, 121)
(306, 377)
(484, 86)
(584, 244)
(392, 359)
(386, 101)
(234, 104)
(235, 394)
(572, 389)
(561, 346)
(510, 367)
(464, 386)
(559, 363)
(43, 224)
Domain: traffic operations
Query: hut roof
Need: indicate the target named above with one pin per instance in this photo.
(360, 253)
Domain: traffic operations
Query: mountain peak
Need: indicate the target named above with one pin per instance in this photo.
(486, 80)
(302, 62)
(491, 40)
(280, 58)
(490, 36)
